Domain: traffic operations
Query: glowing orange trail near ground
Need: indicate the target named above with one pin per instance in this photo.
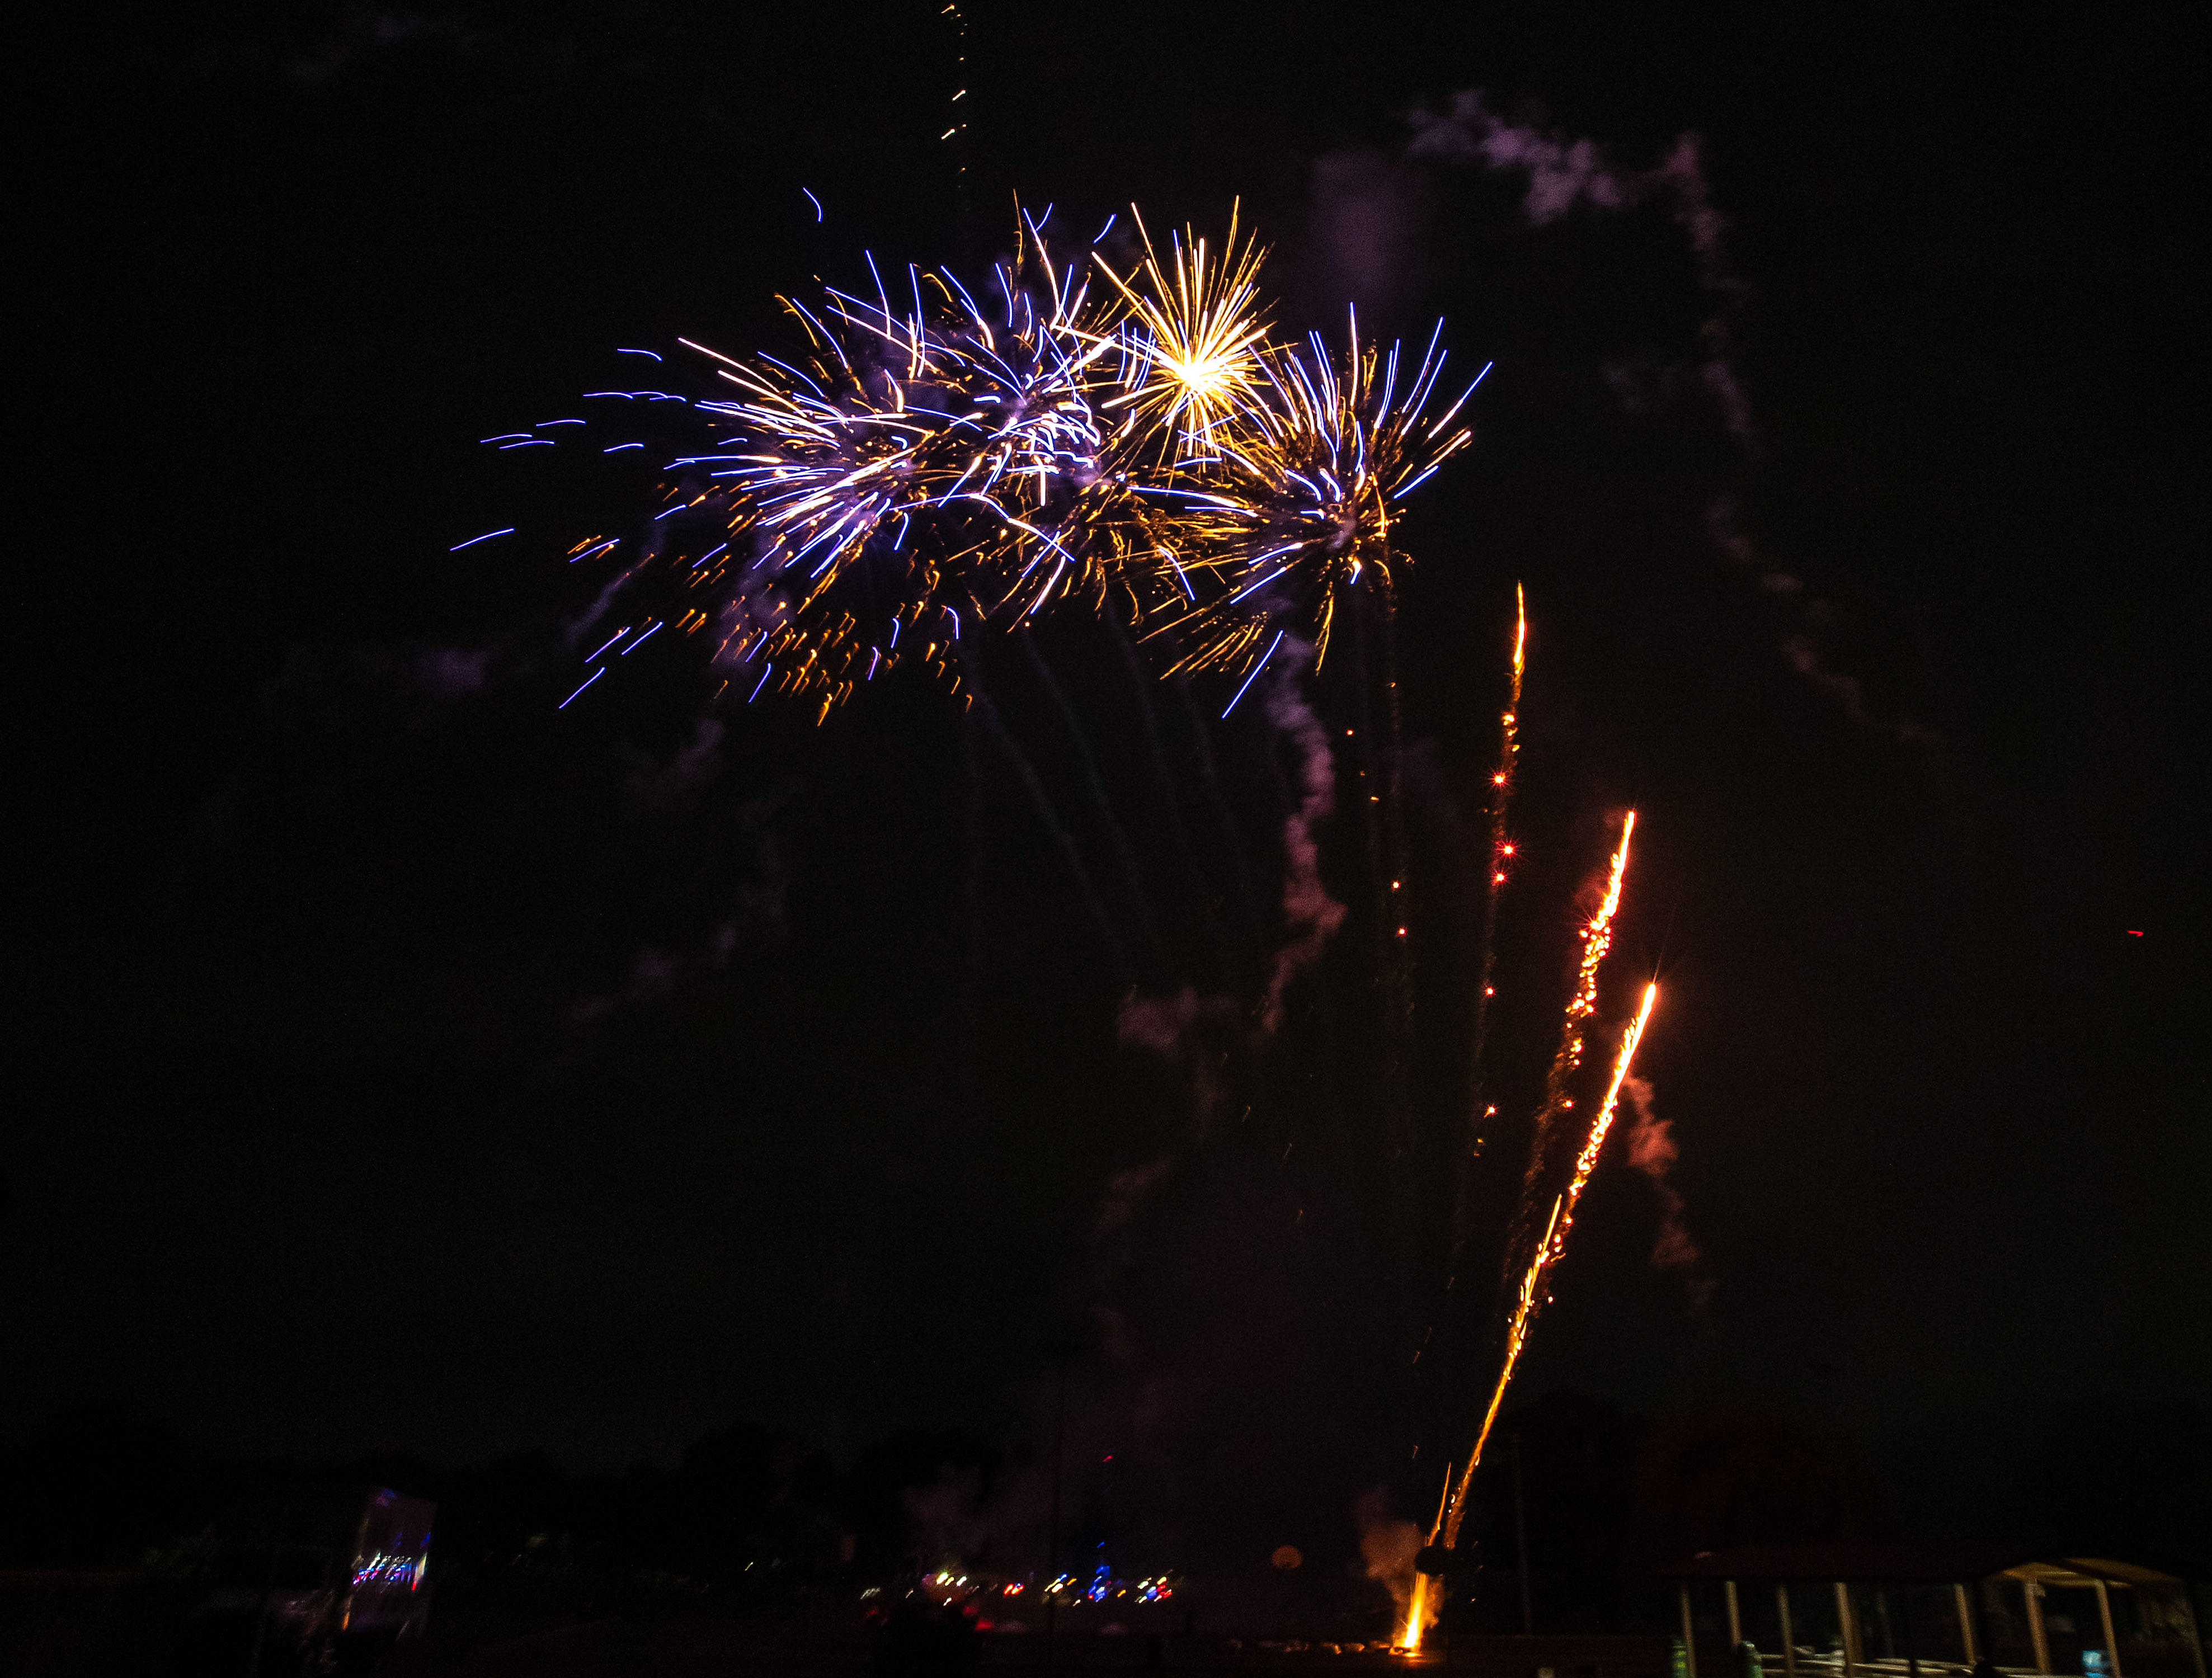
(1418, 1611)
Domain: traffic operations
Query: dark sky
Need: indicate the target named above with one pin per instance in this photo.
(402, 1062)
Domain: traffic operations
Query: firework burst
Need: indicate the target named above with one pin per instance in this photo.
(1291, 498)
(1198, 330)
(929, 463)
(931, 458)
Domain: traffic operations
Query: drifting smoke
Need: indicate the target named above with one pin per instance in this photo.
(758, 918)
(1652, 1151)
(674, 785)
(1563, 173)
(1195, 1032)
(952, 1518)
(1125, 1193)
(1367, 216)
(1387, 1545)
(1311, 914)
(1363, 201)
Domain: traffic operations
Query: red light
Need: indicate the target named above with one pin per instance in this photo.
(2132, 933)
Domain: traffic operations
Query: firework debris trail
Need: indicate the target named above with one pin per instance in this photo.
(1169, 801)
(1527, 1301)
(1501, 854)
(1086, 764)
(1071, 853)
(1501, 851)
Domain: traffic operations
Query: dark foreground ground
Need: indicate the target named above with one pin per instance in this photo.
(96, 1625)
(614, 1647)
(107, 1626)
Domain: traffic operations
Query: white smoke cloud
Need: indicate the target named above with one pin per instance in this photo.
(1388, 1546)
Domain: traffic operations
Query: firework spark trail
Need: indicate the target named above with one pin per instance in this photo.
(1528, 1302)
(1582, 1003)
(1170, 802)
(1071, 853)
(1596, 940)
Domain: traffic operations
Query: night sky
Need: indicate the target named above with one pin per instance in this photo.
(402, 1062)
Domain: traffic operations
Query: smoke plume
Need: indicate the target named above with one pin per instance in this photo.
(1389, 1546)
(1652, 1151)
(1356, 194)
(1311, 916)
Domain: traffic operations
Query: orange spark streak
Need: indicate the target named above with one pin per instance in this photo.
(1418, 1613)
(1597, 940)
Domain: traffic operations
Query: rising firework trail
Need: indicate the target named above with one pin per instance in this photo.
(1527, 1301)
(1501, 850)
(1558, 1100)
